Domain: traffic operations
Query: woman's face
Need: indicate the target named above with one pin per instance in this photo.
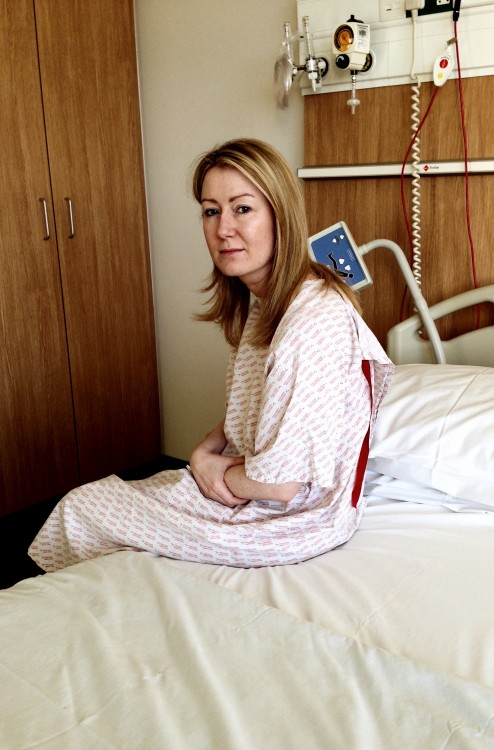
(238, 226)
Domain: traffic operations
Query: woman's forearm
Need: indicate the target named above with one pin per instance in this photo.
(248, 489)
(215, 441)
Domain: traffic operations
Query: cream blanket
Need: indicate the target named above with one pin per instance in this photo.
(133, 651)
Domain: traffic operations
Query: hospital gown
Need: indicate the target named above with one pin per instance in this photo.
(297, 410)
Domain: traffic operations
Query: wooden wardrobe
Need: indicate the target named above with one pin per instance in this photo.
(78, 373)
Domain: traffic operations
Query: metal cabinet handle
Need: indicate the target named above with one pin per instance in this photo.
(46, 235)
(71, 218)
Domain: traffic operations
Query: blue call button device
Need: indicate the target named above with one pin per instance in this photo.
(336, 248)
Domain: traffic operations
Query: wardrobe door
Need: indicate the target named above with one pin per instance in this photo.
(37, 442)
(90, 92)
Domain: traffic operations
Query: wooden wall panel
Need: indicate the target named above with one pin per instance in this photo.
(380, 132)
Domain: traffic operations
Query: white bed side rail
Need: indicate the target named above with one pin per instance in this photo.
(405, 345)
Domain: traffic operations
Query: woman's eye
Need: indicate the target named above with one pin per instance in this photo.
(244, 209)
(208, 212)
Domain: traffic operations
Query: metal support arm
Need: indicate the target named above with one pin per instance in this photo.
(420, 303)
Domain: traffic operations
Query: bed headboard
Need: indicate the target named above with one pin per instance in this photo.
(379, 133)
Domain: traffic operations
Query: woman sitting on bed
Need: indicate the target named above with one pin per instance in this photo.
(279, 480)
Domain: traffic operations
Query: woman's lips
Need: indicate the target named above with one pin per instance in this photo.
(230, 251)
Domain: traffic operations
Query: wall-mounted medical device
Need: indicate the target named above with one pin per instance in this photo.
(336, 248)
(285, 69)
(351, 47)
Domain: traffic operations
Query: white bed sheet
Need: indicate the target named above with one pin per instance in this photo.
(387, 642)
(410, 581)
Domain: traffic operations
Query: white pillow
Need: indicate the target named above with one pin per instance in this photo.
(436, 428)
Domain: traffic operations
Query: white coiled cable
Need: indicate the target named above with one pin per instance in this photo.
(415, 163)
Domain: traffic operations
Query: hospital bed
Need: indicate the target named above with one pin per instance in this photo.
(382, 644)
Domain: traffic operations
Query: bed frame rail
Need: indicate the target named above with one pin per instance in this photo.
(405, 344)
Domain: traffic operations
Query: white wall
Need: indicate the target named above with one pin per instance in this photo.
(206, 75)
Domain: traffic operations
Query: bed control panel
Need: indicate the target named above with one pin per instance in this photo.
(336, 248)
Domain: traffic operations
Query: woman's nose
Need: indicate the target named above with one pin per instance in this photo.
(226, 227)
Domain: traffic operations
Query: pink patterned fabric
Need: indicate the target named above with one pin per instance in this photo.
(297, 411)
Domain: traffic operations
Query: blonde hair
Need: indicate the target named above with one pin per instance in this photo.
(268, 170)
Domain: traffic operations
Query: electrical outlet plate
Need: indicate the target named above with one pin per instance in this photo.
(434, 6)
(391, 10)
(336, 248)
